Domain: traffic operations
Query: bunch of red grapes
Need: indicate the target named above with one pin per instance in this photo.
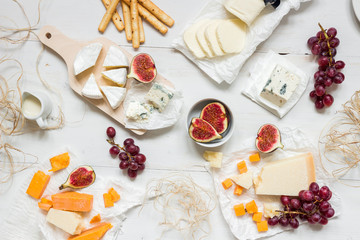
(311, 205)
(129, 154)
(324, 45)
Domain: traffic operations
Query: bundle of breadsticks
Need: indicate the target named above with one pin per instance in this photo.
(133, 12)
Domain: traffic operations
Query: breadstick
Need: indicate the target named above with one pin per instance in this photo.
(109, 12)
(150, 18)
(127, 20)
(135, 23)
(160, 14)
(141, 31)
(115, 17)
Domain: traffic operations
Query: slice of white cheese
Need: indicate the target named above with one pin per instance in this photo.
(114, 95)
(270, 209)
(231, 35)
(137, 111)
(159, 96)
(287, 176)
(86, 57)
(200, 37)
(280, 86)
(244, 180)
(210, 36)
(115, 58)
(91, 89)
(191, 42)
(117, 76)
(246, 10)
(215, 158)
(70, 222)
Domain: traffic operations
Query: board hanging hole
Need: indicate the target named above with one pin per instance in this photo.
(48, 35)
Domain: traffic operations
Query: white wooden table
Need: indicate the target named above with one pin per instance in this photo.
(171, 150)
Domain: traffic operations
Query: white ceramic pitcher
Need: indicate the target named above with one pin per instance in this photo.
(36, 106)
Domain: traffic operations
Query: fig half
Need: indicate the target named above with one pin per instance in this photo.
(202, 131)
(215, 114)
(80, 177)
(142, 68)
(268, 139)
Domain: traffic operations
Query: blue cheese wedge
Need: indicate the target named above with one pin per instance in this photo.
(280, 86)
(137, 111)
(86, 57)
(91, 89)
(159, 96)
(117, 76)
(115, 58)
(114, 95)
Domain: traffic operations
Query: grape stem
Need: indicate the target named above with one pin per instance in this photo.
(328, 43)
(291, 212)
(111, 141)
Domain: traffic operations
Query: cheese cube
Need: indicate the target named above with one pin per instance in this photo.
(215, 158)
(137, 111)
(262, 226)
(227, 183)
(70, 222)
(254, 157)
(245, 179)
(114, 195)
(38, 184)
(246, 10)
(239, 210)
(238, 190)
(95, 219)
(242, 167)
(251, 207)
(257, 217)
(159, 96)
(280, 86)
(108, 202)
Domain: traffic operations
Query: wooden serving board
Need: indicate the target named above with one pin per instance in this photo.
(68, 48)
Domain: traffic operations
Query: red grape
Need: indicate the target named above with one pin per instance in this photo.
(316, 49)
(123, 156)
(110, 131)
(328, 82)
(320, 90)
(319, 104)
(331, 72)
(315, 217)
(140, 158)
(294, 223)
(283, 221)
(324, 46)
(273, 221)
(311, 41)
(339, 64)
(329, 213)
(295, 204)
(312, 94)
(328, 100)
(128, 141)
(314, 188)
(323, 220)
(114, 151)
(334, 42)
(324, 192)
(323, 61)
(320, 35)
(339, 78)
(131, 148)
(324, 206)
(141, 166)
(124, 164)
(133, 165)
(308, 195)
(329, 196)
(308, 206)
(132, 173)
(331, 32)
(285, 200)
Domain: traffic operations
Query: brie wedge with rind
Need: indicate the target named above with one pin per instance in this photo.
(91, 89)
(115, 58)
(114, 95)
(86, 57)
(117, 76)
(244, 180)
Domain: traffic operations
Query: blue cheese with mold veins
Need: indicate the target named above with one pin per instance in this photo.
(138, 111)
(159, 96)
(280, 86)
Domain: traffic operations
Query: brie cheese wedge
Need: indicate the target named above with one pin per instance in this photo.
(115, 58)
(191, 41)
(114, 95)
(91, 89)
(117, 76)
(86, 57)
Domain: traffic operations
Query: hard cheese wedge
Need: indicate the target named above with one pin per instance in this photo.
(287, 176)
(70, 222)
(210, 36)
(245, 179)
(94, 233)
(117, 76)
(246, 10)
(231, 35)
(38, 184)
(91, 89)
(114, 95)
(86, 57)
(200, 37)
(59, 162)
(73, 201)
(115, 58)
(191, 41)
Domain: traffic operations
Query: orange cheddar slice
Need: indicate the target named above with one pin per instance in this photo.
(254, 157)
(114, 195)
(47, 201)
(96, 219)
(251, 207)
(108, 202)
(227, 183)
(239, 210)
(72, 201)
(38, 184)
(44, 206)
(262, 226)
(59, 162)
(94, 233)
(242, 167)
(257, 216)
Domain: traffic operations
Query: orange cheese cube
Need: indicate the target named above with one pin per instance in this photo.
(227, 183)
(96, 219)
(45, 200)
(238, 190)
(94, 233)
(257, 216)
(251, 207)
(254, 157)
(38, 184)
(262, 226)
(59, 162)
(73, 201)
(44, 206)
(242, 167)
(108, 202)
(114, 195)
(239, 210)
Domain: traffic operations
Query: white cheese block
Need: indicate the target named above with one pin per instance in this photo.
(210, 36)
(137, 111)
(246, 10)
(231, 35)
(115, 58)
(287, 176)
(215, 158)
(270, 209)
(117, 76)
(280, 86)
(244, 180)
(70, 222)
(114, 95)
(191, 41)
(86, 57)
(91, 89)
(159, 96)
(200, 37)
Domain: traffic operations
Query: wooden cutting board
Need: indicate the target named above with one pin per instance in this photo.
(68, 48)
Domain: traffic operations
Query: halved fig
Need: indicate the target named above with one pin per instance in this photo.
(80, 177)
(201, 131)
(215, 114)
(142, 68)
(268, 139)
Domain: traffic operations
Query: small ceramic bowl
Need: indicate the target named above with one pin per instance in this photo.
(195, 111)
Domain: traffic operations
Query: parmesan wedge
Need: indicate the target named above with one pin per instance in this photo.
(115, 58)
(86, 57)
(114, 95)
(245, 180)
(117, 76)
(91, 89)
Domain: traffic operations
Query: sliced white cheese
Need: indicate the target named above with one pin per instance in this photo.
(159, 96)
(115, 58)
(231, 35)
(117, 76)
(244, 180)
(215, 158)
(114, 95)
(200, 37)
(86, 57)
(287, 176)
(210, 36)
(91, 89)
(246, 10)
(191, 42)
(137, 111)
(70, 222)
